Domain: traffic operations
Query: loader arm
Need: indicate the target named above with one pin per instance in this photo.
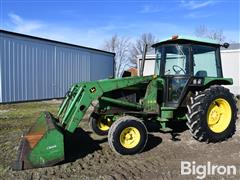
(81, 96)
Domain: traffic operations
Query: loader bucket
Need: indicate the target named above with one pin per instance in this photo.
(42, 146)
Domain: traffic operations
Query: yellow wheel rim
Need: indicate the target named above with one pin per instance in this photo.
(104, 126)
(130, 137)
(219, 115)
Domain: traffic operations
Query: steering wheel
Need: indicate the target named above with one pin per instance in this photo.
(178, 71)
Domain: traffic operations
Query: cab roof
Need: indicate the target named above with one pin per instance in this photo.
(187, 39)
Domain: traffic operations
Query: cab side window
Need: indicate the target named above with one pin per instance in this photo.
(204, 61)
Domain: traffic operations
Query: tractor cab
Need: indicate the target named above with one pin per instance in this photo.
(184, 62)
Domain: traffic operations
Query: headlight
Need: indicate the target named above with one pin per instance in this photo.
(195, 81)
(199, 81)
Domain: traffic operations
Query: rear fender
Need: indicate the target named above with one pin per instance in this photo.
(208, 81)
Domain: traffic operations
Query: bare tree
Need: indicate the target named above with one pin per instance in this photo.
(203, 31)
(120, 46)
(138, 47)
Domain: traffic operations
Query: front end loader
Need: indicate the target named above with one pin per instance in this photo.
(186, 87)
(43, 145)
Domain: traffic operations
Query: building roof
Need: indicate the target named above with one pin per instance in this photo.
(232, 46)
(187, 39)
(53, 41)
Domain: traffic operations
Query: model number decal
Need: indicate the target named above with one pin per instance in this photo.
(51, 147)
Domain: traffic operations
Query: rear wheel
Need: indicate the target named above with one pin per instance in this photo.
(99, 124)
(212, 114)
(127, 135)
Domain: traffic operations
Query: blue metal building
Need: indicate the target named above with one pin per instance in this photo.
(33, 68)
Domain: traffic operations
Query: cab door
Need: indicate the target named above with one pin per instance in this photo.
(176, 73)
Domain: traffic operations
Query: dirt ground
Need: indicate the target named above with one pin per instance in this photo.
(90, 157)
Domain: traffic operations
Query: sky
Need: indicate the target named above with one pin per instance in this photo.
(91, 22)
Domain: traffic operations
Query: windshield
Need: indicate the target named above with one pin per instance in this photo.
(176, 59)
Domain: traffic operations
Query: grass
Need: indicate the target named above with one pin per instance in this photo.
(15, 116)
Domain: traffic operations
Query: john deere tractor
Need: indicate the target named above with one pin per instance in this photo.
(186, 86)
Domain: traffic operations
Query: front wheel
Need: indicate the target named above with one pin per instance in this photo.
(99, 124)
(127, 135)
(212, 114)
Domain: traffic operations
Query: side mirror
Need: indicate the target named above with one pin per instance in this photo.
(225, 45)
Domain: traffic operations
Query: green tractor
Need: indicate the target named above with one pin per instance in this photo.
(186, 87)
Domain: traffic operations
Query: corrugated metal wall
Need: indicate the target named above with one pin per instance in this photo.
(32, 69)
